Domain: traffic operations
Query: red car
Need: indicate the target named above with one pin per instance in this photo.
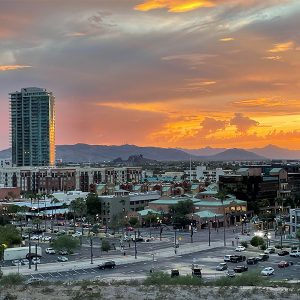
(130, 229)
(283, 264)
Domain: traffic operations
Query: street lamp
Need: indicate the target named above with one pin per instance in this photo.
(92, 254)
(192, 232)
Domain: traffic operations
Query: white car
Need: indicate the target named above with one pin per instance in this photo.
(35, 260)
(267, 271)
(46, 238)
(295, 253)
(35, 237)
(240, 248)
(62, 258)
(50, 251)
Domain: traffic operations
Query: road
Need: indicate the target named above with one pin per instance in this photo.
(207, 259)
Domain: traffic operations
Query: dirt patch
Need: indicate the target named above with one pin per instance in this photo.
(84, 291)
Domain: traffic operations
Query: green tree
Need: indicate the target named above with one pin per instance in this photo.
(9, 235)
(105, 245)
(257, 241)
(78, 208)
(183, 207)
(298, 234)
(93, 205)
(66, 242)
(133, 221)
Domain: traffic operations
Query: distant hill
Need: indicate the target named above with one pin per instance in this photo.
(274, 152)
(235, 154)
(99, 153)
(5, 153)
(207, 151)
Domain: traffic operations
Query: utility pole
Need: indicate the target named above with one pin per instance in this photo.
(92, 255)
(36, 268)
(192, 233)
(175, 242)
(135, 250)
(29, 250)
(209, 233)
(160, 232)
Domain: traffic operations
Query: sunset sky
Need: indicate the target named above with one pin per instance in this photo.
(168, 73)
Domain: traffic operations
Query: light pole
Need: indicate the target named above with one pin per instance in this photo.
(29, 249)
(36, 267)
(224, 217)
(192, 232)
(175, 242)
(92, 254)
(209, 233)
(135, 249)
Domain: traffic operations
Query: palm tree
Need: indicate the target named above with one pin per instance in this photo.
(53, 201)
(222, 197)
(78, 207)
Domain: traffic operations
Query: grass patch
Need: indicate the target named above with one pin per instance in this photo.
(161, 278)
(246, 279)
(11, 279)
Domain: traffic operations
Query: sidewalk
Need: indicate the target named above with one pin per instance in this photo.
(119, 259)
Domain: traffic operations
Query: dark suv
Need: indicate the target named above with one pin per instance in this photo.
(237, 258)
(107, 265)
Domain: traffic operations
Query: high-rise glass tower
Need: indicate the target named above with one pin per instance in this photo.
(32, 124)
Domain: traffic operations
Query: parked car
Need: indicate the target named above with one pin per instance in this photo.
(62, 258)
(269, 250)
(222, 267)
(35, 237)
(17, 262)
(50, 251)
(63, 252)
(283, 253)
(107, 265)
(237, 258)
(174, 272)
(24, 261)
(262, 257)
(295, 253)
(35, 260)
(252, 261)
(130, 229)
(227, 258)
(46, 238)
(196, 271)
(267, 271)
(25, 236)
(240, 248)
(230, 273)
(240, 269)
(283, 264)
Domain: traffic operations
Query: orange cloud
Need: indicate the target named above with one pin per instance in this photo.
(142, 107)
(12, 67)
(277, 57)
(176, 6)
(227, 39)
(282, 47)
(243, 123)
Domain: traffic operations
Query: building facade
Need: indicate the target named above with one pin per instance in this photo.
(53, 179)
(32, 125)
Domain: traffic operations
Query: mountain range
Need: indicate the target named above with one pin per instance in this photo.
(101, 153)
(269, 151)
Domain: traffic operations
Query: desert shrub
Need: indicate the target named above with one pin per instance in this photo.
(11, 279)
